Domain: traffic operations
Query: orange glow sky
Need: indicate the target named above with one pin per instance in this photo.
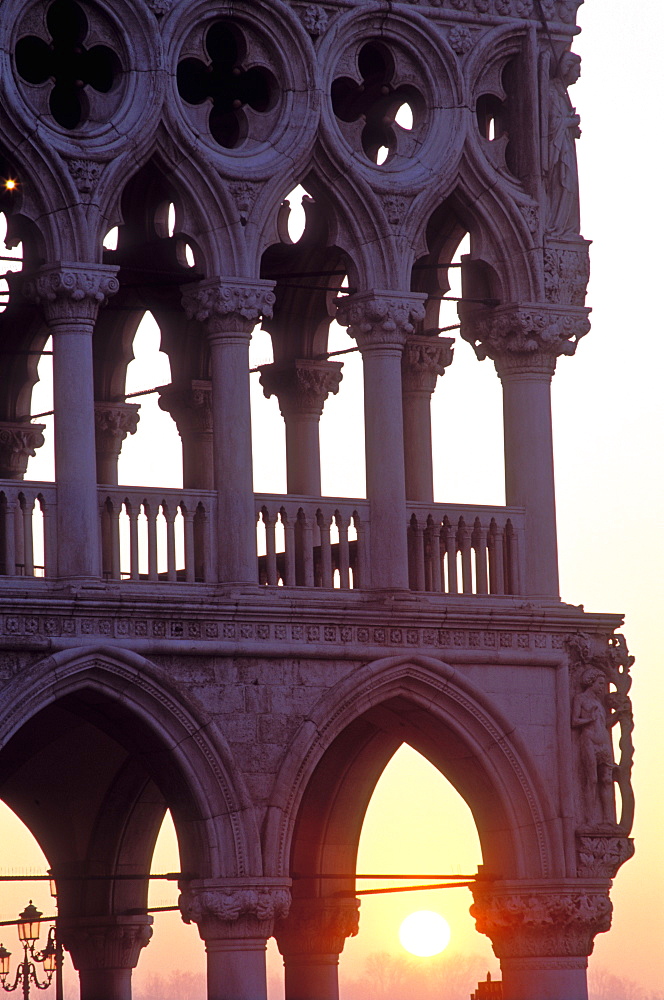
(608, 438)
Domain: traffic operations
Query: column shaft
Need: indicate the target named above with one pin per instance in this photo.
(302, 454)
(236, 970)
(314, 977)
(530, 979)
(424, 360)
(105, 984)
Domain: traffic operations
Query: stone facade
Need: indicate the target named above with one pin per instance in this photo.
(252, 661)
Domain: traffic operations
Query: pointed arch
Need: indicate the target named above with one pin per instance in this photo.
(335, 761)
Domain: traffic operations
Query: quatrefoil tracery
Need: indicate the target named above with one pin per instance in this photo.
(66, 62)
(234, 88)
(372, 104)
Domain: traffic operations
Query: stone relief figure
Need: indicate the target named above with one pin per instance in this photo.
(592, 716)
(563, 183)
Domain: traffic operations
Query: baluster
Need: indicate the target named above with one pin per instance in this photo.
(307, 548)
(436, 556)
(270, 547)
(466, 557)
(206, 523)
(344, 551)
(514, 557)
(497, 558)
(151, 511)
(450, 536)
(19, 538)
(361, 570)
(27, 507)
(132, 512)
(324, 524)
(115, 509)
(289, 547)
(49, 529)
(479, 544)
(189, 547)
(169, 517)
(418, 546)
(9, 536)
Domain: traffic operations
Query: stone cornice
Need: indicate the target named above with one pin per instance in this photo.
(228, 305)
(381, 318)
(72, 292)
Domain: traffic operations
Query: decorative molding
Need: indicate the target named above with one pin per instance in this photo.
(378, 318)
(318, 926)
(524, 337)
(105, 943)
(601, 857)
(72, 292)
(301, 386)
(229, 306)
(19, 441)
(600, 682)
(425, 359)
(536, 922)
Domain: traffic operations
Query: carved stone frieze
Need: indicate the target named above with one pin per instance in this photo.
(105, 943)
(301, 386)
(318, 926)
(19, 441)
(72, 291)
(228, 305)
(381, 318)
(190, 406)
(601, 857)
(425, 359)
(113, 421)
(235, 911)
(538, 922)
(525, 336)
(600, 682)
(560, 11)
(566, 273)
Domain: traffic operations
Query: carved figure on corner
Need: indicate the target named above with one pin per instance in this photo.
(563, 217)
(592, 716)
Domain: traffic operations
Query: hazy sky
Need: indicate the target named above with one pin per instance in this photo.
(608, 441)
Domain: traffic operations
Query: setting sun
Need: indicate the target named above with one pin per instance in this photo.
(425, 933)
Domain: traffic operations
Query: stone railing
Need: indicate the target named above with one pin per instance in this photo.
(27, 515)
(312, 542)
(466, 550)
(173, 540)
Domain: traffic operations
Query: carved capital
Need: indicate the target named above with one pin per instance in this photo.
(228, 306)
(105, 942)
(527, 921)
(113, 421)
(19, 441)
(526, 338)
(566, 272)
(72, 292)
(600, 682)
(376, 319)
(601, 857)
(235, 908)
(424, 359)
(318, 926)
(190, 406)
(301, 386)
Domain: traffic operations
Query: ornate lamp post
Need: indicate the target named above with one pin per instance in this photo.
(28, 932)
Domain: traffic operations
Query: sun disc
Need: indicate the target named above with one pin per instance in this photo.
(425, 933)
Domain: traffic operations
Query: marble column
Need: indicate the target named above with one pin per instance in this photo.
(424, 360)
(229, 308)
(524, 343)
(19, 440)
(381, 322)
(311, 940)
(113, 421)
(105, 950)
(70, 296)
(190, 406)
(235, 917)
(302, 386)
(543, 933)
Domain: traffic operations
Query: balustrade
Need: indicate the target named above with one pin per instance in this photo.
(167, 535)
(464, 549)
(26, 539)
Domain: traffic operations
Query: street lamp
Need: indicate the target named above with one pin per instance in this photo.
(28, 932)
